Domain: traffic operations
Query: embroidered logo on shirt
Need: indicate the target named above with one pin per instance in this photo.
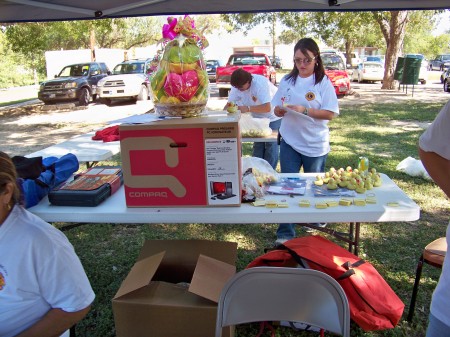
(310, 96)
(254, 98)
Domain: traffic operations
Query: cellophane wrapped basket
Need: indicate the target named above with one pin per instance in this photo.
(180, 85)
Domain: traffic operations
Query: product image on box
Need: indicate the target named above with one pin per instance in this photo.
(221, 190)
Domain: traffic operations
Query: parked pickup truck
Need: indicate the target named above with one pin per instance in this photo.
(75, 82)
(255, 63)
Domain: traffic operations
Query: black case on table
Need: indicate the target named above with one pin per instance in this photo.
(89, 188)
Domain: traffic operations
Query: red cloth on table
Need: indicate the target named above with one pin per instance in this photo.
(109, 134)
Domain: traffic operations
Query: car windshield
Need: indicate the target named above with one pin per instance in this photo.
(332, 62)
(446, 57)
(75, 70)
(128, 68)
(211, 63)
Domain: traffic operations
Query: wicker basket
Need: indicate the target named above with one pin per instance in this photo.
(184, 110)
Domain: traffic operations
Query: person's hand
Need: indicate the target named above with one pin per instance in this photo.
(244, 108)
(279, 111)
(298, 108)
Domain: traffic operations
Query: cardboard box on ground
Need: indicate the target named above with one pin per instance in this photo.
(173, 288)
(182, 162)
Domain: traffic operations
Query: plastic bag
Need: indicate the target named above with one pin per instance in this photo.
(258, 173)
(254, 127)
(413, 167)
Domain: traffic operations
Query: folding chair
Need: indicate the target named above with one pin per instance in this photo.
(433, 254)
(264, 294)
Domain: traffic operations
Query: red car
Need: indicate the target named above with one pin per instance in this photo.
(336, 71)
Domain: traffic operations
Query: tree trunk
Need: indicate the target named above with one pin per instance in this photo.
(92, 44)
(394, 33)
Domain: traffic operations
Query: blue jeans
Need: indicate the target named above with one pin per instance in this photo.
(290, 162)
(437, 328)
(268, 150)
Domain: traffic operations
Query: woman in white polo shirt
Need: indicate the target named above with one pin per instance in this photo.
(307, 101)
(43, 287)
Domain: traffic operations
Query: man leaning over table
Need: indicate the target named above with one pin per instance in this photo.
(434, 151)
(252, 93)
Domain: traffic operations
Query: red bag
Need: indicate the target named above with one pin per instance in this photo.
(373, 304)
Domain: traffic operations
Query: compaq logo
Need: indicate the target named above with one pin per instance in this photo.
(148, 194)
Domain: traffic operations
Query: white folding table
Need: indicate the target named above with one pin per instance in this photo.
(392, 205)
(87, 150)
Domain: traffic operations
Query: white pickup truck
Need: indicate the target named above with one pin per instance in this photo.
(129, 81)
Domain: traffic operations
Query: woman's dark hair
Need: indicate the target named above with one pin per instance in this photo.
(239, 77)
(8, 175)
(304, 45)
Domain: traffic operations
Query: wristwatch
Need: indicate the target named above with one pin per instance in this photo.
(305, 112)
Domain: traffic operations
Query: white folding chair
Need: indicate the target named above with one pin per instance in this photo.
(284, 294)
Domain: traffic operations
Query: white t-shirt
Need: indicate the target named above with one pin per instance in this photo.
(437, 139)
(304, 134)
(260, 92)
(39, 270)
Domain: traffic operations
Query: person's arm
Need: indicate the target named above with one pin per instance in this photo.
(438, 168)
(54, 323)
(261, 108)
(314, 113)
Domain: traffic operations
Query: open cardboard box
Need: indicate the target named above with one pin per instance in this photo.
(173, 288)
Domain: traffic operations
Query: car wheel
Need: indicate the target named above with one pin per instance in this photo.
(85, 97)
(446, 86)
(423, 82)
(143, 94)
(223, 92)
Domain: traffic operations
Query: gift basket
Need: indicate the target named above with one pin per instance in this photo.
(180, 84)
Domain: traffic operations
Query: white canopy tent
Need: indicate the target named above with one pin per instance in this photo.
(50, 10)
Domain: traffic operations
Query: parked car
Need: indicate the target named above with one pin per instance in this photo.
(211, 66)
(336, 72)
(440, 62)
(276, 62)
(254, 63)
(445, 74)
(447, 81)
(368, 71)
(423, 72)
(75, 82)
(129, 81)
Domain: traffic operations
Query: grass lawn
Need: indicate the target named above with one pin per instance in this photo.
(386, 134)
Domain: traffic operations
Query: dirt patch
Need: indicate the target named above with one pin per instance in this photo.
(27, 128)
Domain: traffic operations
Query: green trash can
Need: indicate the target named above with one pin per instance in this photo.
(411, 70)
(398, 73)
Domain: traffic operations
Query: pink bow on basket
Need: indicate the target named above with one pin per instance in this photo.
(186, 26)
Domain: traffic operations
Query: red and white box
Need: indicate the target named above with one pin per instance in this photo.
(182, 162)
